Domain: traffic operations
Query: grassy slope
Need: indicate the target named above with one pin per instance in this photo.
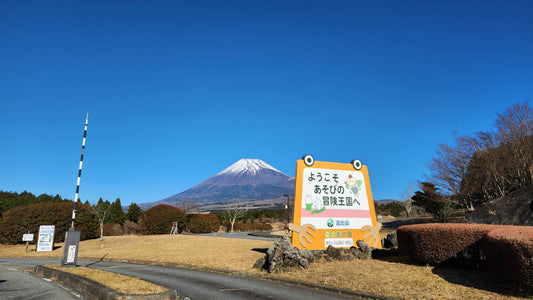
(389, 278)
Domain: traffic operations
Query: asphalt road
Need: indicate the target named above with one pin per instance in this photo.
(195, 284)
(16, 283)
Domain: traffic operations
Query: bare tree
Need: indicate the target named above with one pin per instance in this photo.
(189, 206)
(406, 197)
(450, 165)
(234, 211)
(101, 208)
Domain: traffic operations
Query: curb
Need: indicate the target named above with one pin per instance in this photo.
(94, 290)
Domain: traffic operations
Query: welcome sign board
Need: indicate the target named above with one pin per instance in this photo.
(45, 242)
(333, 205)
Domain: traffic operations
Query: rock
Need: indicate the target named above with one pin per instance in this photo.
(282, 256)
(346, 257)
(259, 263)
(365, 250)
(391, 241)
(333, 252)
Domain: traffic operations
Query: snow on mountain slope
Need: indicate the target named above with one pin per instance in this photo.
(248, 165)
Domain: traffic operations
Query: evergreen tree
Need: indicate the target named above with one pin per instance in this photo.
(433, 201)
(115, 215)
(134, 212)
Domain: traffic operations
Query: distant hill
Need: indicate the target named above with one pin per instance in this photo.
(385, 201)
(250, 180)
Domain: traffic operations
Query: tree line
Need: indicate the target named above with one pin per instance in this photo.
(25, 212)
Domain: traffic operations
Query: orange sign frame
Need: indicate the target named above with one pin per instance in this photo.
(333, 205)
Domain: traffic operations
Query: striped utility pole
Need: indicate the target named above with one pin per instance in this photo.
(79, 172)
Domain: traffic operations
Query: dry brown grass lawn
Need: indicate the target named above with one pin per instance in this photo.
(392, 278)
(120, 283)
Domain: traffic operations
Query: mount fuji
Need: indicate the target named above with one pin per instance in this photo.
(250, 180)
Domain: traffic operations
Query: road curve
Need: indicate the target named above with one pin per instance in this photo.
(16, 283)
(194, 284)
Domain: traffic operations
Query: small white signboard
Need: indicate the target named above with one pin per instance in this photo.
(71, 253)
(27, 237)
(45, 242)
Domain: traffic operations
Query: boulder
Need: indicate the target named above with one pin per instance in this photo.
(391, 241)
(282, 256)
(365, 252)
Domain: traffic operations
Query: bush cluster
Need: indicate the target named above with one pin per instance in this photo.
(158, 219)
(504, 249)
(248, 226)
(202, 223)
(113, 229)
(21, 219)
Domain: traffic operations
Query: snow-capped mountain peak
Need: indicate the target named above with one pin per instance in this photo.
(247, 165)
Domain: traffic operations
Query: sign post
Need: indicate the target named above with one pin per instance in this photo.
(333, 205)
(72, 237)
(45, 239)
(27, 237)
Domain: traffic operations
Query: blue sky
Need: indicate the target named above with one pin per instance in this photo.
(179, 90)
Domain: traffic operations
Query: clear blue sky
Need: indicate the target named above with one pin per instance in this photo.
(179, 90)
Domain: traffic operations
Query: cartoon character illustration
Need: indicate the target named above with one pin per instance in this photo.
(354, 185)
(318, 207)
(308, 203)
(315, 206)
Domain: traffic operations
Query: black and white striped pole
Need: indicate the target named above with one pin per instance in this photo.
(79, 172)
(72, 237)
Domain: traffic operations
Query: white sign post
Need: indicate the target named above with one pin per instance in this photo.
(27, 237)
(45, 242)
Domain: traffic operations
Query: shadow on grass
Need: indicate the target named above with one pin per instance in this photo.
(482, 280)
(260, 250)
(468, 277)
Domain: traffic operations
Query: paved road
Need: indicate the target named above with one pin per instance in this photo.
(263, 236)
(18, 284)
(194, 284)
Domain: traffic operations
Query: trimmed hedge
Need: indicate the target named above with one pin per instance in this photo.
(509, 251)
(443, 242)
(504, 249)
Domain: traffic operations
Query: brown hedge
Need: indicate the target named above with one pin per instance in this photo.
(509, 251)
(443, 242)
(21, 219)
(158, 219)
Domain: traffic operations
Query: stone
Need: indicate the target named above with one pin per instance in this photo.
(346, 257)
(259, 263)
(333, 252)
(365, 250)
(283, 257)
(391, 241)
